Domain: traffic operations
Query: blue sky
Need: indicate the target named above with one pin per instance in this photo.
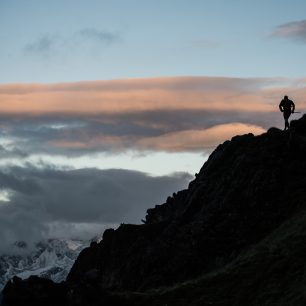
(64, 41)
(108, 107)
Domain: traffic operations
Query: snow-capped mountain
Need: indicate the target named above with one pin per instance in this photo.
(50, 259)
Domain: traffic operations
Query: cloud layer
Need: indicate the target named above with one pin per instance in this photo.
(161, 114)
(137, 95)
(51, 202)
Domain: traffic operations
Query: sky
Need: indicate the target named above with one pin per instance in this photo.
(108, 107)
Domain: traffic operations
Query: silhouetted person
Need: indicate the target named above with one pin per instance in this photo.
(287, 107)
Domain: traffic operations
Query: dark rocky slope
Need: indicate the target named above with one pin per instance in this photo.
(208, 245)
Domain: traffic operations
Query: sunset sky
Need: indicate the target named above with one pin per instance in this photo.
(108, 107)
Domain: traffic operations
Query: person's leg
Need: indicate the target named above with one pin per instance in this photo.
(286, 117)
(286, 124)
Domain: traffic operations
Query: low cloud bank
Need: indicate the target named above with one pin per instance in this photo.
(49, 203)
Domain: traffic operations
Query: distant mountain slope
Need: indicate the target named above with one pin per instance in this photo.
(235, 237)
(50, 259)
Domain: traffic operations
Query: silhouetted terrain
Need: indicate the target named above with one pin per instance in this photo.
(235, 237)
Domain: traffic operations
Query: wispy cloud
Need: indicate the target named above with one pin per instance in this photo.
(293, 30)
(52, 43)
(43, 45)
(100, 36)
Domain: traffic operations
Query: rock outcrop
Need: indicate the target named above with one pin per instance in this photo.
(248, 189)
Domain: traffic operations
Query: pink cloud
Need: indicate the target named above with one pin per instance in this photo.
(198, 140)
(138, 95)
(183, 114)
(187, 140)
(87, 142)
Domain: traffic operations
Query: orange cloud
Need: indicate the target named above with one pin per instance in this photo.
(114, 142)
(198, 140)
(166, 114)
(187, 140)
(139, 95)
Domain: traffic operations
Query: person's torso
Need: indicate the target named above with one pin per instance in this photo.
(286, 104)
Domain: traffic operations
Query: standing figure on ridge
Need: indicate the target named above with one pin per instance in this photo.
(287, 107)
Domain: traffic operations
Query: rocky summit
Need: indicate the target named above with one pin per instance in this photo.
(235, 237)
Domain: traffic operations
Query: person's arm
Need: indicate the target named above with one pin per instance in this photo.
(293, 107)
(281, 106)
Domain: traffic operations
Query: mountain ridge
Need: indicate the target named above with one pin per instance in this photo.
(248, 188)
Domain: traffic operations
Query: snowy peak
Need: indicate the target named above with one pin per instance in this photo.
(50, 259)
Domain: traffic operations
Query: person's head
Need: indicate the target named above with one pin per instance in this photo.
(286, 97)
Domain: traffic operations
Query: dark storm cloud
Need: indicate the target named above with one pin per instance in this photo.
(293, 30)
(87, 196)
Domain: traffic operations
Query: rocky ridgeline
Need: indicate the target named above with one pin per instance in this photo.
(248, 188)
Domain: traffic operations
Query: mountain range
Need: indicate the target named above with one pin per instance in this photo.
(50, 259)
